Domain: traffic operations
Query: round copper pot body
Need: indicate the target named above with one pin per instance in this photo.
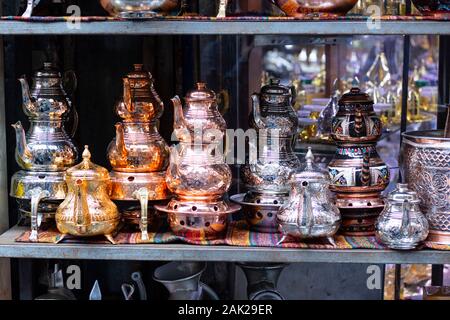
(198, 220)
(429, 7)
(426, 168)
(138, 8)
(296, 8)
(138, 147)
(124, 185)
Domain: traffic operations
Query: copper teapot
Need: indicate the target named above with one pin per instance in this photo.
(46, 146)
(199, 120)
(87, 210)
(138, 146)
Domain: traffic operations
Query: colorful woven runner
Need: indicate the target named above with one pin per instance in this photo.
(238, 234)
(305, 17)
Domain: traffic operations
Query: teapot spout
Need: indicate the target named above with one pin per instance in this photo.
(26, 95)
(178, 116)
(23, 153)
(120, 141)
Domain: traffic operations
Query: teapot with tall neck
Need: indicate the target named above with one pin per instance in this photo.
(46, 146)
(138, 146)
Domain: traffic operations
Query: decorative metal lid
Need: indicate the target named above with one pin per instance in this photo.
(310, 171)
(402, 193)
(87, 170)
(48, 71)
(275, 88)
(355, 96)
(200, 93)
(139, 73)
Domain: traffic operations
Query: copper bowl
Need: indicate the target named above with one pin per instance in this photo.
(295, 8)
(429, 7)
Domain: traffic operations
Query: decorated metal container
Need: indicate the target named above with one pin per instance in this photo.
(87, 210)
(46, 146)
(426, 168)
(401, 225)
(310, 211)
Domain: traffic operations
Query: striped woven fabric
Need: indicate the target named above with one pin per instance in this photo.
(238, 234)
(305, 17)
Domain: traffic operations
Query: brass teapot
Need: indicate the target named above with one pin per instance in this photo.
(200, 120)
(87, 210)
(309, 212)
(138, 146)
(46, 146)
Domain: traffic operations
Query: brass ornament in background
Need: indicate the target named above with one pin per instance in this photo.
(87, 210)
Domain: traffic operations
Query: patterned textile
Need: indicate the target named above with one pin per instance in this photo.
(238, 234)
(305, 17)
(435, 246)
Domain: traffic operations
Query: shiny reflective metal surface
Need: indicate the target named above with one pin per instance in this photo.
(199, 119)
(296, 8)
(358, 174)
(87, 210)
(46, 146)
(401, 224)
(426, 168)
(430, 7)
(310, 211)
(198, 175)
(197, 172)
(260, 211)
(262, 279)
(124, 185)
(135, 9)
(182, 280)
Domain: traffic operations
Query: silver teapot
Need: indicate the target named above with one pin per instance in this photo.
(309, 212)
(401, 224)
(46, 146)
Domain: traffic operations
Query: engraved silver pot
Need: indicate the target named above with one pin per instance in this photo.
(426, 168)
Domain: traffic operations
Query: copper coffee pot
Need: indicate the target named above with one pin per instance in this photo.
(197, 173)
(139, 155)
(358, 174)
(87, 210)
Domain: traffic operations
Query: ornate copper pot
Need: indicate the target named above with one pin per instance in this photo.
(87, 210)
(358, 175)
(138, 8)
(296, 8)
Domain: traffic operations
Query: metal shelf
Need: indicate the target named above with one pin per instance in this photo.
(224, 27)
(181, 252)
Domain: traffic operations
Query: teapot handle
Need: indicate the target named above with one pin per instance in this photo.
(406, 218)
(224, 106)
(70, 82)
(76, 119)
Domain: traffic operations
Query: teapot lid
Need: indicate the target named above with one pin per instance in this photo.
(139, 72)
(87, 170)
(355, 95)
(49, 70)
(275, 88)
(402, 193)
(310, 171)
(200, 93)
